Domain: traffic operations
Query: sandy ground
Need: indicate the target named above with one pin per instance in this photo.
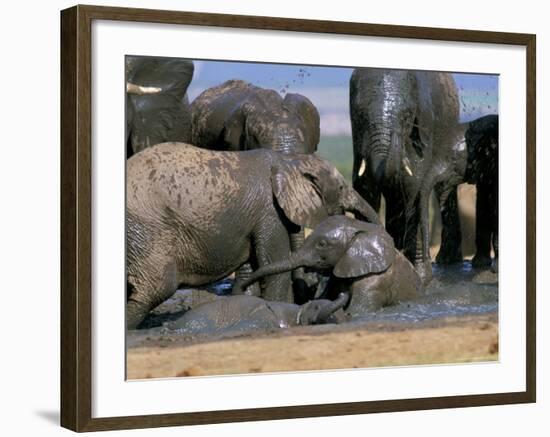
(451, 340)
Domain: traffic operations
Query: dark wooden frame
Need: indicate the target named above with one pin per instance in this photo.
(76, 191)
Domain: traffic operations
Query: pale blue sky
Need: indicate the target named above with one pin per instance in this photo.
(328, 88)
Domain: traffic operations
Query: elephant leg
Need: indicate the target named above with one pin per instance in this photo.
(396, 221)
(273, 244)
(450, 250)
(148, 293)
(368, 295)
(242, 274)
(422, 260)
(484, 227)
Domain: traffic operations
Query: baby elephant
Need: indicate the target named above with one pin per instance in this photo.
(245, 313)
(360, 257)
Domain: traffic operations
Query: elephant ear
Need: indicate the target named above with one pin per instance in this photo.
(298, 195)
(368, 252)
(303, 107)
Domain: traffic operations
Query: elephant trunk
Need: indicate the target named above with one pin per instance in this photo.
(340, 302)
(382, 146)
(395, 164)
(360, 208)
(270, 269)
(377, 149)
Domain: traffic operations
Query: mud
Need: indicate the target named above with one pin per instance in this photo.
(324, 347)
(455, 320)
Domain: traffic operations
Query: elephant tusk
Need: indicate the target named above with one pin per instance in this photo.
(362, 167)
(132, 88)
(407, 167)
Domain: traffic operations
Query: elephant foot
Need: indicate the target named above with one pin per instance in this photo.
(253, 290)
(481, 260)
(424, 270)
(449, 256)
(135, 314)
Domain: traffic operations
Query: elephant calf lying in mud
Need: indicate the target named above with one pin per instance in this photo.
(245, 313)
(360, 257)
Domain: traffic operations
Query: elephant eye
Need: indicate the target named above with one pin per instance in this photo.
(322, 243)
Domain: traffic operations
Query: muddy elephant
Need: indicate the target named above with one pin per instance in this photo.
(250, 313)
(359, 257)
(237, 115)
(482, 170)
(157, 105)
(406, 135)
(194, 216)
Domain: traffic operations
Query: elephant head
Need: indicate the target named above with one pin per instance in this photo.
(482, 145)
(308, 120)
(319, 310)
(248, 117)
(308, 189)
(340, 245)
(156, 101)
(395, 139)
(151, 75)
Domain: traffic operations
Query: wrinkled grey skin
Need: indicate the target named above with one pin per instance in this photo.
(482, 170)
(194, 216)
(237, 115)
(250, 313)
(359, 257)
(406, 136)
(157, 105)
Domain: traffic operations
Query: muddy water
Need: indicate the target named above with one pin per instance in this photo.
(457, 291)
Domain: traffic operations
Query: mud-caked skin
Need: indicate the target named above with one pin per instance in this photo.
(237, 115)
(407, 140)
(482, 170)
(360, 258)
(157, 105)
(250, 313)
(194, 216)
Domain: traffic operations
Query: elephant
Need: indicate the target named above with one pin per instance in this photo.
(194, 216)
(359, 257)
(237, 115)
(157, 105)
(482, 170)
(251, 313)
(407, 140)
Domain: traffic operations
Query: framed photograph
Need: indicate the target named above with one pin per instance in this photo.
(268, 218)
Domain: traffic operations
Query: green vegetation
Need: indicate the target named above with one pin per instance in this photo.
(339, 151)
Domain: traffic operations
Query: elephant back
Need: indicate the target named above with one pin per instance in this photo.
(237, 115)
(440, 94)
